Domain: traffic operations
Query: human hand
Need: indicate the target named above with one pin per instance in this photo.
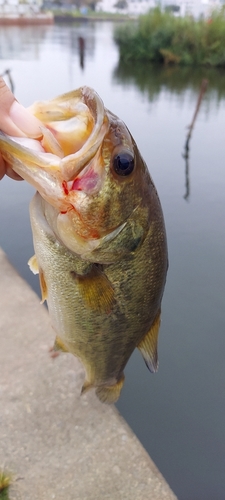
(16, 121)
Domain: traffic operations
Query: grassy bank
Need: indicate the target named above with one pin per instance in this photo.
(160, 37)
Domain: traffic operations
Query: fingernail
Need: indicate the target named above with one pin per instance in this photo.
(25, 121)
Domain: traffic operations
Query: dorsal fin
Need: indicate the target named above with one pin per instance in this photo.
(148, 345)
(33, 264)
(43, 286)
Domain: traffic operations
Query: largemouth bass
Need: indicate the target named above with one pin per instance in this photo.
(99, 235)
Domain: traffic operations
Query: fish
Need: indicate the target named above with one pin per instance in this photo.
(99, 235)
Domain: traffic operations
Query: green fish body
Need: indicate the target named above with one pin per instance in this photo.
(99, 236)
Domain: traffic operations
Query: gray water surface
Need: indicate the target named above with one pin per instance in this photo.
(178, 414)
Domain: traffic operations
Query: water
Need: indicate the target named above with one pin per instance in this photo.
(179, 413)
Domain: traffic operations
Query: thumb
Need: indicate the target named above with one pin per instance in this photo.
(15, 120)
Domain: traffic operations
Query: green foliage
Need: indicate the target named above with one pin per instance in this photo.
(5, 481)
(121, 4)
(159, 36)
(4, 494)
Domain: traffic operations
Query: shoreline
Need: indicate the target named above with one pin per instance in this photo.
(38, 19)
(51, 18)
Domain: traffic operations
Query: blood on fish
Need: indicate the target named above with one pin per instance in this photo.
(76, 185)
(87, 182)
(94, 234)
(65, 188)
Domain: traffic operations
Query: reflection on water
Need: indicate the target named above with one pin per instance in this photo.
(152, 79)
(21, 43)
(203, 89)
(187, 179)
(26, 42)
(81, 50)
(179, 413)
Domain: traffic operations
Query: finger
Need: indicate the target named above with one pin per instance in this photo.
(6, 169)
(10, 172)
(15, 120)
(2, 168)
(25, 121)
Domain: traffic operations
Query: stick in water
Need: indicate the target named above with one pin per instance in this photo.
(203, 88)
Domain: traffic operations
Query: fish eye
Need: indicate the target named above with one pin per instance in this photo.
(123, 163)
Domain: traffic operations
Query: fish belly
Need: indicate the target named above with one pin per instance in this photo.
(103, 338)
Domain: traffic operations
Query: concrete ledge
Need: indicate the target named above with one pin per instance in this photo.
(60, 445)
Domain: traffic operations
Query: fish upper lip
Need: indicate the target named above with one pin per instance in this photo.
(72, 165)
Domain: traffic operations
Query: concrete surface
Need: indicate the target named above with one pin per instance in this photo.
(58, 444)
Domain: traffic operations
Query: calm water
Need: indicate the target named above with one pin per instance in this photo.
(178, 414)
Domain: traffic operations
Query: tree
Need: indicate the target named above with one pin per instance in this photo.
(121, 4)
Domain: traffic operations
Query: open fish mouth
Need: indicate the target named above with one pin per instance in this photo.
(71, 132)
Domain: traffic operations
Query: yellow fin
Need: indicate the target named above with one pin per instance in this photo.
(111, 393)
(50, 143)
(59, 345)
(33, 264)
(148, 345)
(96, 290)
(44, 290)
(86, 386)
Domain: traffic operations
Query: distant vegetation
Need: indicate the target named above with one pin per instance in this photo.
(161, 37)
(89, 14)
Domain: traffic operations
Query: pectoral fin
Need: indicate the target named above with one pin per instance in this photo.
(148, 345)
(96, 290)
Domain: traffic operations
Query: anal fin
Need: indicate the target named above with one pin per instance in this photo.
(111, 393)
(59, 345)
(148, 345)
